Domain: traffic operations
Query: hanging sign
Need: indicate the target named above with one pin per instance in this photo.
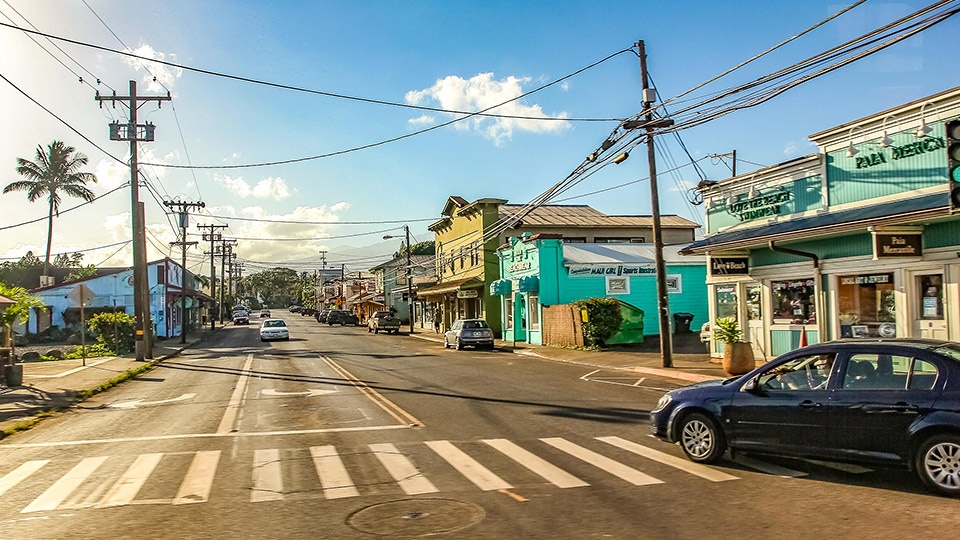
(893, 245)
(725, 266)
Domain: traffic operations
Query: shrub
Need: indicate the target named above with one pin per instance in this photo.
(97, 349)
(727, 330)
(603, 319)
(114, 331)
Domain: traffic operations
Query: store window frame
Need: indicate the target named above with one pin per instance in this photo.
(793, 301)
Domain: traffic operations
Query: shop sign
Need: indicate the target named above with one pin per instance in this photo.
(723, 266)
(890, 245)
(928, 144)
(868, 279)
(759, 207)
(519, 267)
(588, 270)
(469, 293)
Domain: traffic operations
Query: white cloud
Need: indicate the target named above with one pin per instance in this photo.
(482, 92)
(422, 120)
(267, 188)
(157, 77)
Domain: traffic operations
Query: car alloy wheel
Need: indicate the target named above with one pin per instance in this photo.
(938, 464)
(459, 345)
(700, 439)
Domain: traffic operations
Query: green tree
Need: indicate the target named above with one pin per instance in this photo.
(603, 319)
(422, 248)
(22, 302)
(56, 171)
(114, 330)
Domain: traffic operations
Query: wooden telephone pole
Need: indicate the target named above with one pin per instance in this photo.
(183, 208)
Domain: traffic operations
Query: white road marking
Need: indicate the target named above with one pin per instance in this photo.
(684, 465)
(768, 468)
(126, 488)
(481, 476)
(19, 474)
(310, 392)
(133, 404)
(550, 472)
(62, 488)
(604, 463)
(333, 475)
(70, 371)
(410, 479)
(267, 476)
(233, 407)
(196, 485)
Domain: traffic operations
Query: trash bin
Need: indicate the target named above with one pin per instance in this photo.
(681, 322)
(13, 374)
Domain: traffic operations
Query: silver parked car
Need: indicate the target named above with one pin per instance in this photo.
(463, 332)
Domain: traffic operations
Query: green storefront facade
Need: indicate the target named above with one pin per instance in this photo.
(858, 240)
(541, 270)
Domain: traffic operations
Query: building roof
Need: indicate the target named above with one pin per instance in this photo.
(620, 253)
(582, 216)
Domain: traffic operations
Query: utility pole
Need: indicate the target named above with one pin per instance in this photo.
(183, 208)
(226, 247)
(406, 230)
(316, 286)
(663, 303)
(212, 237)
(134, 132)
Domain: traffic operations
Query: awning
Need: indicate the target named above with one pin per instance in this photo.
(501, 287)
(529, 284)
(898, 212)
(451, 286)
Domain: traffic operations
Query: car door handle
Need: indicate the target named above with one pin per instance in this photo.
(807, 404)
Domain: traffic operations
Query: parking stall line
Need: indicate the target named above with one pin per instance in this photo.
(128, 486)
(65, 486)
(410, 479)
(334, 477)
(198, 481)
(21, 473)
(267, 476)
(684, 465)
(481, 476)
(603, 463)
(546, 470)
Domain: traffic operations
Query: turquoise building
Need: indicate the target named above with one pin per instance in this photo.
(542, 270)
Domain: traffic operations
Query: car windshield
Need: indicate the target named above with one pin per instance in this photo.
(274, 324)
(475, 324)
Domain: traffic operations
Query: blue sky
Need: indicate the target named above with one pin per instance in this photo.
(441, 54)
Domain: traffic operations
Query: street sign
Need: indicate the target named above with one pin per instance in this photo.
(81, 294)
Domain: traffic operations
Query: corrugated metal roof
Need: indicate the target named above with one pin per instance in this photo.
(585, 216)
(620, 253)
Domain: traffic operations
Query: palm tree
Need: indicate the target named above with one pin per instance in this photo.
(54, 172)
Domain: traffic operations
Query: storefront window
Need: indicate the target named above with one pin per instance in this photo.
(726, 301)
(754, 295)
(793, 301)
(533, 306)
(866, 305)
(931, 296)
(508, 311)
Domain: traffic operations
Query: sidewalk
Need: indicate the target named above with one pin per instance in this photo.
(56, 384)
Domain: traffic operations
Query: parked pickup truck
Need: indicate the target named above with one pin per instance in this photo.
(383, 321)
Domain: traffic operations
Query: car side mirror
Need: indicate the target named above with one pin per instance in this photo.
(753, 386)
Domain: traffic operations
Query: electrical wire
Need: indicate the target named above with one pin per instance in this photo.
(64, 211)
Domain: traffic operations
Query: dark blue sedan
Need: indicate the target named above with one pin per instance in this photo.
(883, 402)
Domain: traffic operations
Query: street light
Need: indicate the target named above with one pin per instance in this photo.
(406, 230)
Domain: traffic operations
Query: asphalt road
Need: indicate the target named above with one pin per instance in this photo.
(338, 433)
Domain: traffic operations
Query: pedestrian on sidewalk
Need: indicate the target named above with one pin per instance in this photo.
(436, 325)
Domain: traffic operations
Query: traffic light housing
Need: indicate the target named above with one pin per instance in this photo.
(953, 163)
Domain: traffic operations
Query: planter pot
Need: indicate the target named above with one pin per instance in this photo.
(738, 358)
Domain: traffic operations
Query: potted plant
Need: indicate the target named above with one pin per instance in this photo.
(737, 354)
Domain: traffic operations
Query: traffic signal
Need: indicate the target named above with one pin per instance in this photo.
(953, 163)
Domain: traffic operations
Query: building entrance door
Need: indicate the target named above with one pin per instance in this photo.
(927, 301)
(755, 333)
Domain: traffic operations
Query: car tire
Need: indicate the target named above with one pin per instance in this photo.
(937, 462)
(700, 438)
(376, 330)
(445, 344)
(459, 345)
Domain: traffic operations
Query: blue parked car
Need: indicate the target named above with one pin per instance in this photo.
(882, 402)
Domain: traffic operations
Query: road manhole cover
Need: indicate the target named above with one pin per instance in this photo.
(415, 517)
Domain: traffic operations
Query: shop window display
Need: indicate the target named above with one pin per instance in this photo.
(866, 305)
(793, 301)
(726, 296)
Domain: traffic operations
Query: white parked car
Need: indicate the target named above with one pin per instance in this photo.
(274, 329)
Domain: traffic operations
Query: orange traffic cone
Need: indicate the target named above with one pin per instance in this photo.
(803, 337)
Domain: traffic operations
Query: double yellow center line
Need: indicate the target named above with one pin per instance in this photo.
(391, 408)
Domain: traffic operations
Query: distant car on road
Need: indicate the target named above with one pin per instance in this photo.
(274, 329)
(264, 313)
(342, 317)
(383, 321)
(322, 315)
(473, 332)
(886, 402)
(241, 317)
(294, 309)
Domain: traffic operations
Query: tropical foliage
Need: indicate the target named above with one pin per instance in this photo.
(602, 321)
(56, 172)
(22, 302)
(115, 331)
(727, 330)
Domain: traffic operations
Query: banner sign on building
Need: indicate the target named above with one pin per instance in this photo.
(725, 266)
(468, 293)
(892, 245)
(588, 270)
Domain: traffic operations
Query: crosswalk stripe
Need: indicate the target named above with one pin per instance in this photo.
(548, 471)
(198, 481)
(604, 463)
(333, 475)
(470, 468)
(267, 476)
(410, 479)
(684, 465)
(22, 472)
(62, 488)
(769, 468)
(126, 488)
